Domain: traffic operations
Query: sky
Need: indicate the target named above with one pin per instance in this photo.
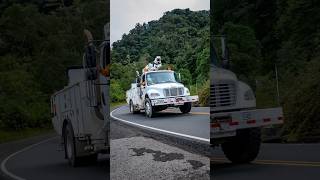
(125, 14)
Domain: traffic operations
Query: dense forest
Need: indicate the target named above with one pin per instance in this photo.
(38, 41)
(264, 34)
(181, 37)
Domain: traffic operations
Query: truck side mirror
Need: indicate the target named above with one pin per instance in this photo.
(90, 57)
(179, 75)
(137, 73)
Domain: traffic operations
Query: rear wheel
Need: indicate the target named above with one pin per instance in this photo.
(70, 148)
(149, 110)
(132, 108)
(244, 147)
(71, 151)
(186, 107)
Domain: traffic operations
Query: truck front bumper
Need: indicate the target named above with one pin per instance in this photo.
(225, 124)
(176, 101)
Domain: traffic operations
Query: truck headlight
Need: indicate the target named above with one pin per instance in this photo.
(154, 94)
(187, 91)
(249, 95)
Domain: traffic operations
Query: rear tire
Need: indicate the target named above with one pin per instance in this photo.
(71, 151)
(149, 110)
(244, 147)
(132, 108)
(70, 147)
(186, 107)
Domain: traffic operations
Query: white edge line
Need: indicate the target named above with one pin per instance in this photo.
(3, 163)
(156, 129)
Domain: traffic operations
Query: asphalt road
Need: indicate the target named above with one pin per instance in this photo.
(144, 154)
(194, 125)
(46, 161)
(135, 154)
(138, 154)
(275, 161)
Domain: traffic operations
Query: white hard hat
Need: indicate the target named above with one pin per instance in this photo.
(157, 60)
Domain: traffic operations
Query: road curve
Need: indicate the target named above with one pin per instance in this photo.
(45, 160)
(194, 125)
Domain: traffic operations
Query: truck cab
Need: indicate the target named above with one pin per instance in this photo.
(155, 91)
(234, 120)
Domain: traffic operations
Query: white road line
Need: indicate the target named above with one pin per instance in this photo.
(3, 163)
(157, 129)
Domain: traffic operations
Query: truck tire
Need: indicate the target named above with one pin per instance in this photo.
(186, 107)
(71, 151)
(132, 108)
(70, 146)
(148, 109)
(244, 147)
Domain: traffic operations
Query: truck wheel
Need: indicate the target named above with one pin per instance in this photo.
(132, 108)
(71, 152)
(244, 147)
(149, 110)
(186, 107)
(70, 147)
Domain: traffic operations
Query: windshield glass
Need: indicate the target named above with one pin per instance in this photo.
(161, 77)
(215, 59)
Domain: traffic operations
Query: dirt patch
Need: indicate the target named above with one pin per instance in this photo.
(158, 155)
(195, 164)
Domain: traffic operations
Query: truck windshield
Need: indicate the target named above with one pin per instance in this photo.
(218, 46)
(160, 77)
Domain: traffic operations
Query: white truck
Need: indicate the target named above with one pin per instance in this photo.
(80, 111)
(155, 91)
(235, 122)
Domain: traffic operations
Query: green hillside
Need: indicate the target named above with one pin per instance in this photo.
(181, 37)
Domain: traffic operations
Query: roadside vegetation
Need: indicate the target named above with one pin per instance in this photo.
(9, 135)
(285, 34)
(37, 44)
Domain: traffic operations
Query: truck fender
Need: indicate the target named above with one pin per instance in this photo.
(151, 91)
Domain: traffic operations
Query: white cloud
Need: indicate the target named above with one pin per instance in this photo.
(125, 14)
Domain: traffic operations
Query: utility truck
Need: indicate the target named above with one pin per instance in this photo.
(156, 90)
(80, 111)
(235, 122)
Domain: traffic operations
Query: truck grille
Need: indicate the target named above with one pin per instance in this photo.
(173, 92)
(222, 94)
